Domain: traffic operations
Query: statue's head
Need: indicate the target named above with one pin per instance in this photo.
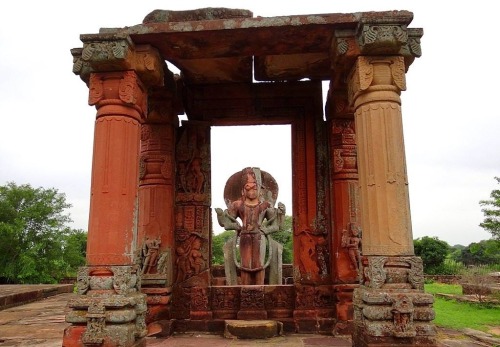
(250, 186)
(257, 181)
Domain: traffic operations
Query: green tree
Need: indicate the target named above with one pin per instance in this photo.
(218, 242)
(285, 237)
(491, 213)
(37, 246)
(74, 250)
(432, 251)
(484, 252)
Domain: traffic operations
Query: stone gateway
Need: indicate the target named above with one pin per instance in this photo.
(148, 267)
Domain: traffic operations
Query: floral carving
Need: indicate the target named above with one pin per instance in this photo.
(375, 271)
(199, 299)
(252, 298)
(416, 273)
(96, 90)
(226, 298)
(82, 280)
(96, 323)
(127, 88)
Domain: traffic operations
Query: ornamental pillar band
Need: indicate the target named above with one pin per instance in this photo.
(375, 84)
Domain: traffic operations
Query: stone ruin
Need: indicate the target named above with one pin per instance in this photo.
(149, 237)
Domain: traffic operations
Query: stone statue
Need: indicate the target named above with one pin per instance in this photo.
(250, 196)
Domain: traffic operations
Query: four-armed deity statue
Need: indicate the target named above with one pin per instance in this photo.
(250, 196)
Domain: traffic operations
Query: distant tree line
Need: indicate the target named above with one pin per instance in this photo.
(36, 243)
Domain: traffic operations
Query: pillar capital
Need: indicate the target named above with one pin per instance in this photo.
(376, 78)
(107, 53)
(118, 93)
(374, 37)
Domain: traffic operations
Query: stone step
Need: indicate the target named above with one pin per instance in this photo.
(252, 329)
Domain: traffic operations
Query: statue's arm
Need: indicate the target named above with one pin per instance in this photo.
(226, 220)
(275, 217)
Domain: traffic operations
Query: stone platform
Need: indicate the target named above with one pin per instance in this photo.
(41, 323)
(18, 294)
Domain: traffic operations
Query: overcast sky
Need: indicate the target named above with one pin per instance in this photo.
(451, 123)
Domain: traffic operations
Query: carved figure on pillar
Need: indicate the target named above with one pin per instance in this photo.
(150, 252)
(259, 219)
(351, 240)
(190, 258)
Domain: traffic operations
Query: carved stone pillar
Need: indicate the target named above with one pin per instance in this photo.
(156, 203)
(375, 86)
(346, 241)
(109, 286)
(192, 217)
(390, 305)
(110, 310)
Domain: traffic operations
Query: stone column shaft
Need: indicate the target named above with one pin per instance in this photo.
(375, 85)
(120, 101)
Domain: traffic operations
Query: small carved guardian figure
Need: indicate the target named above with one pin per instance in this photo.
(258, 218)
(150, 252)
(351, 239)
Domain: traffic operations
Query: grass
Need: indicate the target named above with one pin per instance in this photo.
(459, 315)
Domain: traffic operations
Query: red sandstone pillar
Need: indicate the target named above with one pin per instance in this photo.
(386, 224)
(121, 102)
(109, 309)
(345, 247)
(392, 275)
(156, 204)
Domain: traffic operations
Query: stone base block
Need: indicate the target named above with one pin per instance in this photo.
(252, 329)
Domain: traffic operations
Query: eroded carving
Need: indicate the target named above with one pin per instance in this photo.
(382, 39)
(351, 240)
(402, 315)
(96, 324)
(375, 271)
(82, 280)
(312, 254)
(190, 257)
(124, 279)
(150, 255)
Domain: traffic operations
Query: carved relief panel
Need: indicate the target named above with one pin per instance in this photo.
(192, 211)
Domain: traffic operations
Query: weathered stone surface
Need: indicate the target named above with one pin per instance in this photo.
(209, 13)
(252, 329)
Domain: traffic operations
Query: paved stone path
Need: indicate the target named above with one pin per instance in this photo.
(42, 323)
